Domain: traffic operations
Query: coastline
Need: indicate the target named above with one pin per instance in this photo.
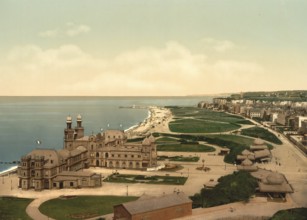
(157, 121)
(9, 171)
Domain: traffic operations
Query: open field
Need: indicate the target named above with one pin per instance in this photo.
(14, 208)
(261, 133)
(82, 207)
(195, 120)
(179, 158)
(185, 148)
(201, 126)
(129, 178)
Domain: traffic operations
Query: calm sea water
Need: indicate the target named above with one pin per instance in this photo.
(24, 120)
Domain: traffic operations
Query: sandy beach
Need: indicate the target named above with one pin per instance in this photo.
(157, 121)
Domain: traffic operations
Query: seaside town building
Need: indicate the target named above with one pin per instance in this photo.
(110, 148)
(49, 168)
(165, 207)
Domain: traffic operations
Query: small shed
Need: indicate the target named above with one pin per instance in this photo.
(165, 207)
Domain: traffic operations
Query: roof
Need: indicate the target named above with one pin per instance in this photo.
(258, 147)
(247, 162)
(155, 203)
(262, 153)
(258, 141)
(272, 182)
(146, 141)
(78, 150)
(282, 188)
(51, 156)
(247, 168)
(246, 152)
(243, 157)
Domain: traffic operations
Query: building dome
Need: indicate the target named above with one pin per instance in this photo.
(258, 141)
(68, 119)
(275, 179)
(79, 118)
(247, 162)
(151, 138)
(146, 141)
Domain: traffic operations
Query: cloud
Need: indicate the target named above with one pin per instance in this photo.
(219, 45)
(74, 30)
(70, 29)
(170, 70)
(49, 33)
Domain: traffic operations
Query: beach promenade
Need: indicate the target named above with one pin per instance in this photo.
(292, 163)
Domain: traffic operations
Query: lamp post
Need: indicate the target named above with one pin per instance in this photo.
(127, 190)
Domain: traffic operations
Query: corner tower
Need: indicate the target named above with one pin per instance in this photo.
(68, 134)
(79, 129)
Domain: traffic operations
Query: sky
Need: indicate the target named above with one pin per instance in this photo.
(151, 47)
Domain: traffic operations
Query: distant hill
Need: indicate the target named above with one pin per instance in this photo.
(285, 95)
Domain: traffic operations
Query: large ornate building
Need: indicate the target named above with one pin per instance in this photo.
(49, 168)
(110, 148)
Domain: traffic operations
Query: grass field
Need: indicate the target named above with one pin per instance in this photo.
(201, 126)
(261, 133)
(12, 208)
(164, 180)
(205, 114)
(179, 158)
(233, 138)
(82, 207)
(185, 148)
(166, 139)
(195, 120)
(290, 214)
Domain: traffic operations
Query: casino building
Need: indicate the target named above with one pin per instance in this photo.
(49, 168)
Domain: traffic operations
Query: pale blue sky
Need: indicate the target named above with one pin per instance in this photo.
(96, 47)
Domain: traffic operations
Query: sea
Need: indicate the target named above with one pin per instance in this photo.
(27, 123)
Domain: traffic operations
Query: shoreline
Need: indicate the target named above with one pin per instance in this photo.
(157, 121)
(9, 171)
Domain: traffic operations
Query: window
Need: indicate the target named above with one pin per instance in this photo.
(51, 161)
(119, 155)
(112, 155)
(132, 156)
(139, 156)
(71, 183)
(125, 155)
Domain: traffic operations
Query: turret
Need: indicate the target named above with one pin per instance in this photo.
(68, 122)
(68, 133)
(79, 129)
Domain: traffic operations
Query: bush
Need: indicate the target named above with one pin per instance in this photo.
(239, 186)
(291, 214)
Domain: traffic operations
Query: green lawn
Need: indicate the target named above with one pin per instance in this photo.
(185, 148)
(261, 133)
(12, 208)
(179, 158)
(129, 178)
(195, 120)
(291, 214)
(82, 207)
(166, 139)
(201, 126)
(205, 114)
(233, 138)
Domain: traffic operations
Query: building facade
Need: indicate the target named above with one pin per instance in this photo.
(110, 148)
(49, 168)
(165, 207)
